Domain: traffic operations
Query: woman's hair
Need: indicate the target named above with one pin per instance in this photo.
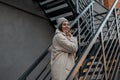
(60, 27)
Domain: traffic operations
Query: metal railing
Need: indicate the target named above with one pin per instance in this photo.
(84, 30)
(99, 35)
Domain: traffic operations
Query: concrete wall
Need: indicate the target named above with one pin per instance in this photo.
(23, 37)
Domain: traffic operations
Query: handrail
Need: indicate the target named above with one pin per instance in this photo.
(76, 19)
(33, 66)
(81, 60)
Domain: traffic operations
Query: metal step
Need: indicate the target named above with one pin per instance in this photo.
(56, 8)
(53, 4)
(43, 2)
(59, 12)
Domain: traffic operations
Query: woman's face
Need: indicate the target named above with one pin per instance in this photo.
(66, 26)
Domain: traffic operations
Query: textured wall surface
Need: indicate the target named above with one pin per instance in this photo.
(23, 37)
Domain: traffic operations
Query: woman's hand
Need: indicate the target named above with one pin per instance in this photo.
(67, 32)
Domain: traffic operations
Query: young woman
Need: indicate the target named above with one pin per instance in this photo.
(63, 50)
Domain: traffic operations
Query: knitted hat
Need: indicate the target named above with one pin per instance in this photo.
(60, 21)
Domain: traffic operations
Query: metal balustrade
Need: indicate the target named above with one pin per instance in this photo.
(112, 48)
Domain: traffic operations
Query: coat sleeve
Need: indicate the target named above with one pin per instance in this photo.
(70, 46)
(50, 48)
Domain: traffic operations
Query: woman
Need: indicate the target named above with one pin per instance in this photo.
(63, 49)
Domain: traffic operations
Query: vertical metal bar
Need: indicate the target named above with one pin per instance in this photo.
(104, 57)
(77, 6)
(78, 24)
(90, 12)
(92, 18)
(79, 37)
(108, 28)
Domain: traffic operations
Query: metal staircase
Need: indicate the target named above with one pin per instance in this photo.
(58, 8)
(98, 36)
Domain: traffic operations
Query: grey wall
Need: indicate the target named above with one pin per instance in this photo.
(26, 5)
(22, 39)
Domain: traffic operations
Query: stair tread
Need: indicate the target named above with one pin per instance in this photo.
(53, 4)
(56, 8)
(45, 2)
(59, 12)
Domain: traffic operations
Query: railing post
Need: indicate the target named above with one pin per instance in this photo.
(103, 52)
(78, 22)
(92, 18)
(77, 6)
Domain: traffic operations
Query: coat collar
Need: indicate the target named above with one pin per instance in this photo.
(58, 31)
